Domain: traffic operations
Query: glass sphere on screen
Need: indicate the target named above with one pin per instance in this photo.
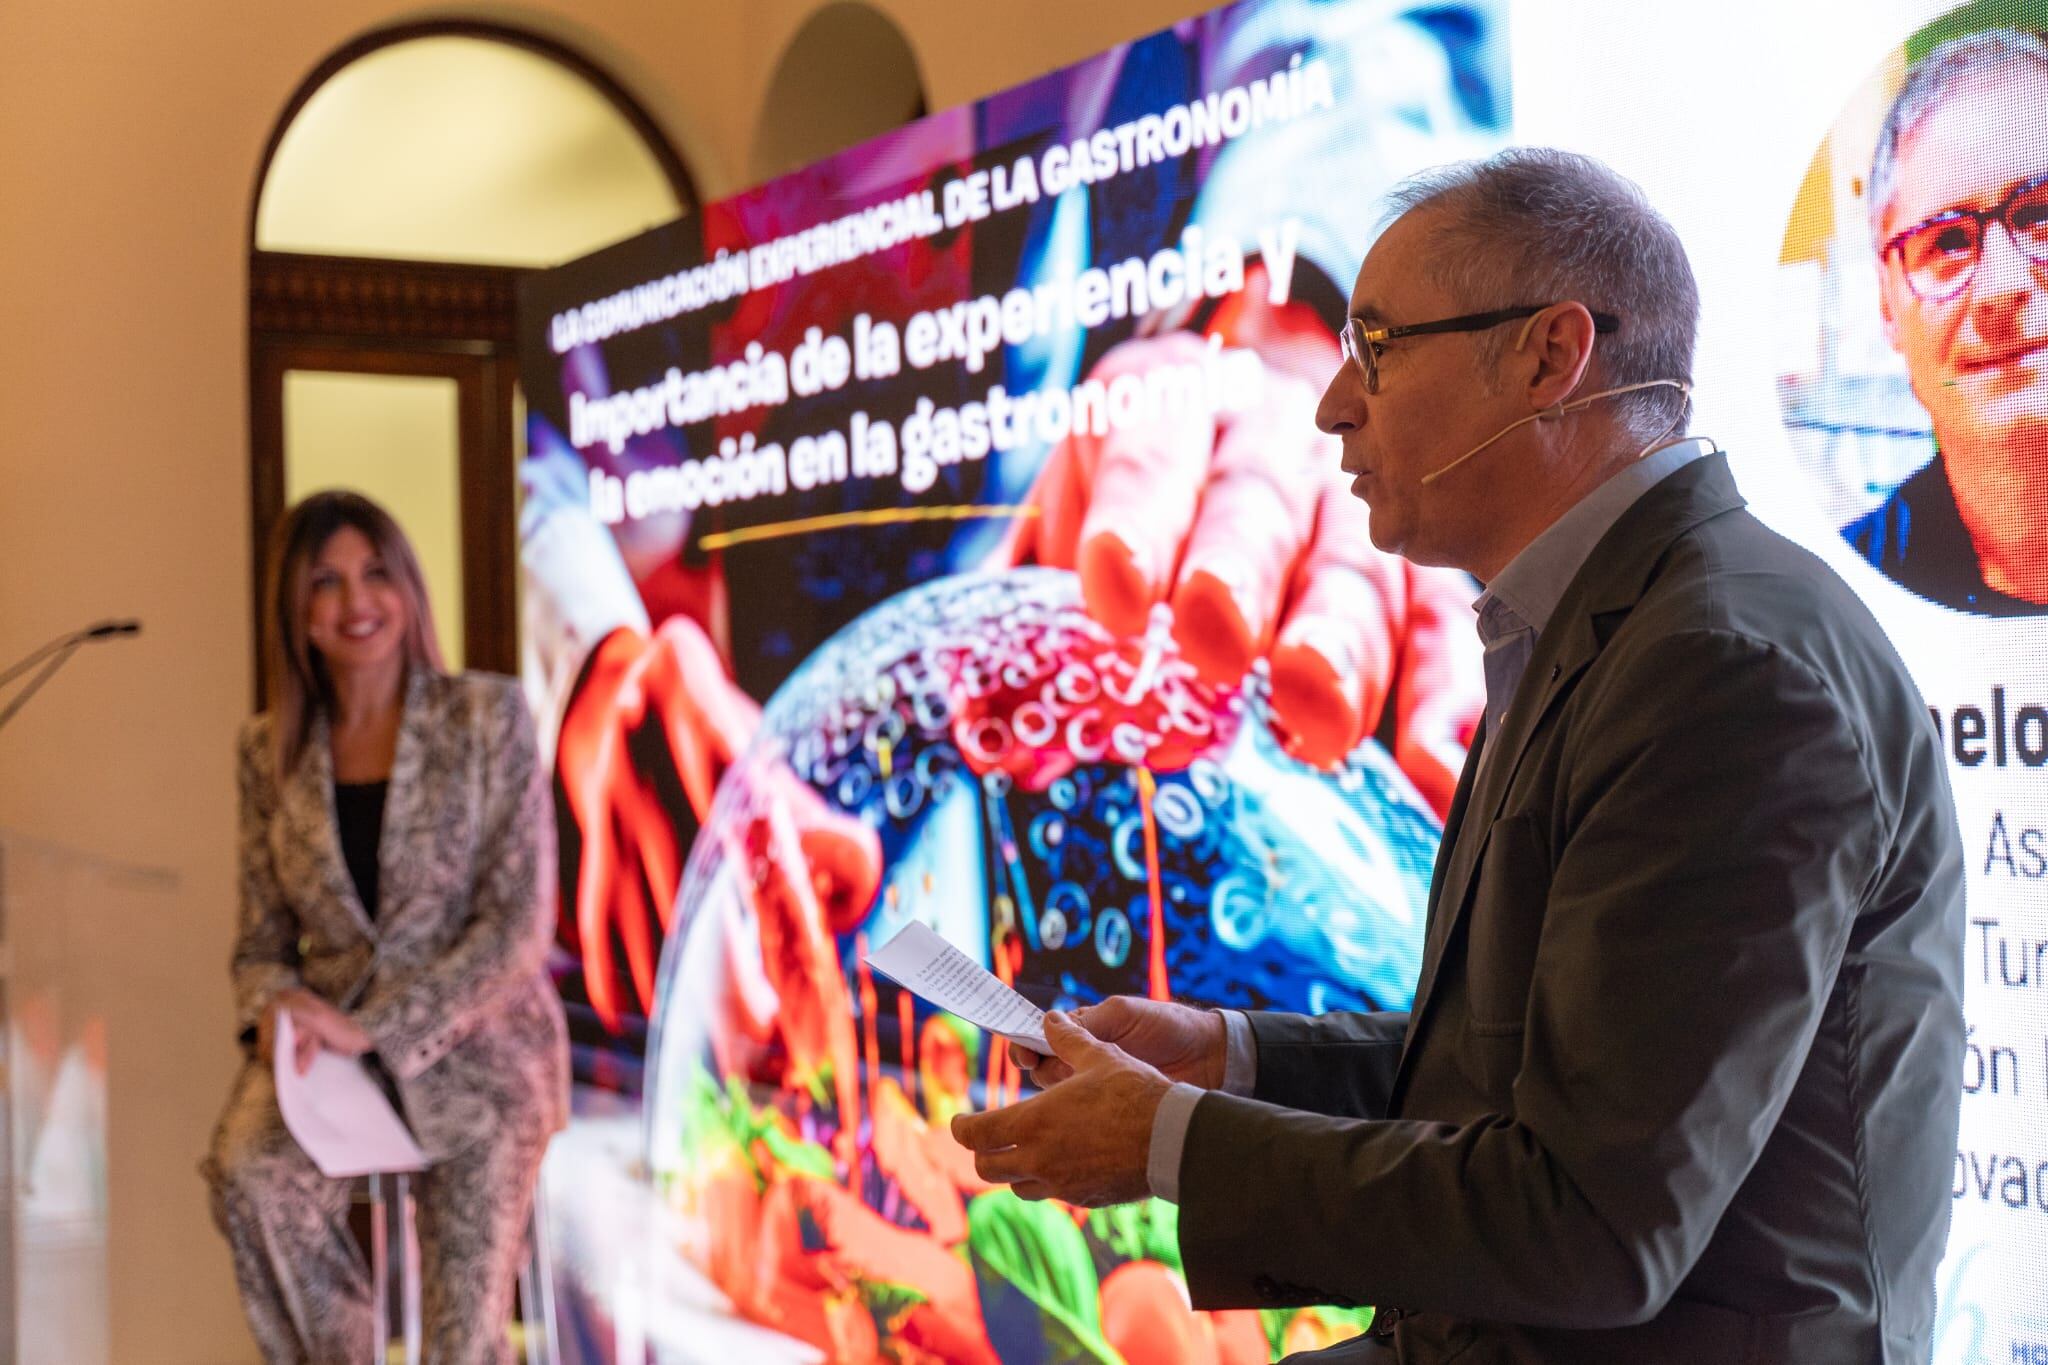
(1079, 813)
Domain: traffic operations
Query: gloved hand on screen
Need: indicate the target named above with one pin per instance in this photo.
(1244, 523)
(654, 714)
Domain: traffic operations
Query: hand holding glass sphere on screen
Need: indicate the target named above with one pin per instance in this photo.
(1080, 810)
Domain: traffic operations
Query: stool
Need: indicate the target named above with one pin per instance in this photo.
(391, 1192)
(387, 1190)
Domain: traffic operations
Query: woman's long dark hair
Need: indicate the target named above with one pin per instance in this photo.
(299, 684)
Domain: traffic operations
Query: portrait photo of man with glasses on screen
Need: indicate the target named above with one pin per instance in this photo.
(1959, 212)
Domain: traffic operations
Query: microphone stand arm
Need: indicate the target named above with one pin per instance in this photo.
(21, 666)
(59, 657)
(52, 657)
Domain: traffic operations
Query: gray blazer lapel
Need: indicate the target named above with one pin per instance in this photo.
(1447, 851)
(1605, 588)
(1559, 657)
(1610, 582)
(1561, 654)
(404, 798)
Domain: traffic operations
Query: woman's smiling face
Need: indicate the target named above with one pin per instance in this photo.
(356, 613)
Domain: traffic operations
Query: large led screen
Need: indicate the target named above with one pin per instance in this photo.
(940, 532)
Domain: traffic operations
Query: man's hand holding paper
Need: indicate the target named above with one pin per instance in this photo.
(1087, 1140)
(1186, 1043)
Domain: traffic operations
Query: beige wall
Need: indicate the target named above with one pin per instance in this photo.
(129, 137)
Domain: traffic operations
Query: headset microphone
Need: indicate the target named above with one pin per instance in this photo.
(1560, 409)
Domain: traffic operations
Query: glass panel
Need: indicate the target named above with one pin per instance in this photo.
(63, 914)
(393, 438)
(459, 149)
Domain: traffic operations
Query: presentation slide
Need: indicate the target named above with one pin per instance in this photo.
(940, 535)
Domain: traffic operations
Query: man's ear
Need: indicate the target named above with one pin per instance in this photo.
(1560, 341)
(1884, 304)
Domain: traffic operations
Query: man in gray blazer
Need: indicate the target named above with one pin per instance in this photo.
(1680, 1081)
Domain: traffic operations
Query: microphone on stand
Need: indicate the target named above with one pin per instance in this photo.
(53, 655)
(106, 628)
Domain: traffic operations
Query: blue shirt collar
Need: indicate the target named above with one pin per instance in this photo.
(1534, 581)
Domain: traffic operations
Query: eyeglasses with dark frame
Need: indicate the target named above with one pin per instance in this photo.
(1362, 345)
(1939, 255)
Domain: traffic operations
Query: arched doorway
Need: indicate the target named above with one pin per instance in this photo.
(847, 74)
(411, 180)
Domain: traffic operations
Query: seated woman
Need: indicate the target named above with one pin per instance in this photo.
(397, 860)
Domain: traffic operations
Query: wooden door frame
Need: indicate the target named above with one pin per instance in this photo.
(484, 440)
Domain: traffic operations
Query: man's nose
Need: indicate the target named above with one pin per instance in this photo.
(1342, 408)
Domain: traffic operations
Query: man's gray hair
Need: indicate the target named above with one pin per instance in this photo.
(1974, 57)
(1538, 225)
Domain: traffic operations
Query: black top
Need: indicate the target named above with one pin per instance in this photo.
(359, 811)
